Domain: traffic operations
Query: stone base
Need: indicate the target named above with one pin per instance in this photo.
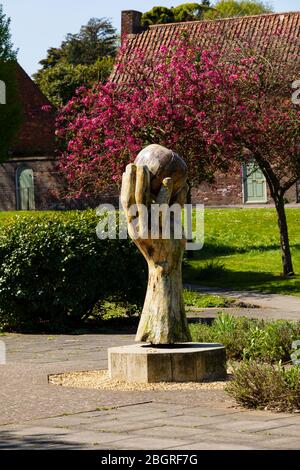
(185, 362)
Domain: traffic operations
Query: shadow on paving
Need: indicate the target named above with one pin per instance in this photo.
(117, 326)
(10, 441)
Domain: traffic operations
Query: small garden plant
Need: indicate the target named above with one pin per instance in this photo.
(266, 341)
(265, 357)
(266, 386)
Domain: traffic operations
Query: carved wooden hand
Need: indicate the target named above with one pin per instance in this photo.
(163, 319)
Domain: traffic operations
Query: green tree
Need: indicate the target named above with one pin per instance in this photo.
(184, 12)
(191, 11)
(95, 40)
(230, 8)
(158, 15)
(59, 83)
(54, 56)
(6, 47)
(81, 59)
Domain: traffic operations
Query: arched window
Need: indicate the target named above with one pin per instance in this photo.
(25, 189)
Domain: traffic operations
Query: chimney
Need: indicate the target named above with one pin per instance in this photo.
(131, 22)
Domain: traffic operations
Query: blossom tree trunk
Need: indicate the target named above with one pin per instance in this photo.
(286, 256)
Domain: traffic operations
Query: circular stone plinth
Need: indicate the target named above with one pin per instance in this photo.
(184, 362)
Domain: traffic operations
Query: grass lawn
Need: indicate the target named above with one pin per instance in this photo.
(241, 251)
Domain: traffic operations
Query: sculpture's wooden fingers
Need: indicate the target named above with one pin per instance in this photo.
(142, 187)
(128, 189)
(180, 196)
(142, 198)
(165, 192)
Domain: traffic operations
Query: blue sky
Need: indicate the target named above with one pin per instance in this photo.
(40, 24)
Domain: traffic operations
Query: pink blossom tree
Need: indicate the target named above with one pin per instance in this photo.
(184, 98)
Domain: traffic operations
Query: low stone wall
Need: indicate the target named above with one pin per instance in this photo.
(226, 191)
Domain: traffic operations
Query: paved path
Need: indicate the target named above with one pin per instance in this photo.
(196, 314)
(36, 415)
(274, 306)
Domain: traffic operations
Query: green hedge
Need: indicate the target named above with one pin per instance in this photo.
(54, 270)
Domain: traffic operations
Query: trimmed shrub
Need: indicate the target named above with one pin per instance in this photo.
(266, 386)
(54, 270)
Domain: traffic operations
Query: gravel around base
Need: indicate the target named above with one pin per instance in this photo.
(99, 379)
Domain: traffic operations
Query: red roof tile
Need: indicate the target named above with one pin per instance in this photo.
(225, 30)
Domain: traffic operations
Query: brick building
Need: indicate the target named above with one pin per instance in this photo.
(237, 188)
(29, 176)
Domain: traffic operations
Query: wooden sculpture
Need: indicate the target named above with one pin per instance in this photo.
(158, 177)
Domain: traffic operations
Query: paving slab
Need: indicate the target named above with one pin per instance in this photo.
(282, 443)
(213, 446)
(176, 432)
(146, 443)
(230, 440)
(241, 425)
(286, 431)
(208, 314)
